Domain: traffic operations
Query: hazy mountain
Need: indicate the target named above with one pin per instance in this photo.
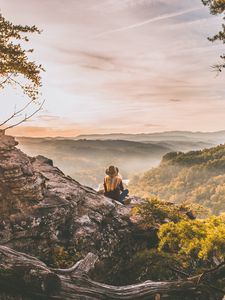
(195, 176)
(86, 159)
(185, 136)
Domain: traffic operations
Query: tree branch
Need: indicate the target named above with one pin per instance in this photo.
(82, 266)
(16, 113)
(32, 279)
(26, 118)
(4, 81)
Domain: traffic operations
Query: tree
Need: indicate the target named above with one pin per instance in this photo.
(217, 7)
(17, 70)
(25, 277)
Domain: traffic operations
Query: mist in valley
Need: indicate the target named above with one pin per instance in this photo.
(85, 160)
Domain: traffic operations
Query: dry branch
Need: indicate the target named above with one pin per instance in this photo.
(26, 117)
(16, 113)
(34, 280)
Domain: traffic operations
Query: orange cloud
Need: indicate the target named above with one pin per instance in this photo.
(43, 132)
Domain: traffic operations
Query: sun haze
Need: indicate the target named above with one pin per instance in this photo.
(121, 66)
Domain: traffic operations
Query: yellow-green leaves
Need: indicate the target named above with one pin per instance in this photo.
(199, 239)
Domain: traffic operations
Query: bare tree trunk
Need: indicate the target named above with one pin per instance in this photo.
(25, 277)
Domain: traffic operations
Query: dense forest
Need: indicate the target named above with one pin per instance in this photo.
(193, 177)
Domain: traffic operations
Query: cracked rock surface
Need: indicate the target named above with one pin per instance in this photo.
(43, 210)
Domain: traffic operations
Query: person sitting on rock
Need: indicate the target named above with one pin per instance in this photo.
(113, 185)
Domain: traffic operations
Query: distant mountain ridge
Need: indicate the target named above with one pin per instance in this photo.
(216, 137)
(86, 159)
(195, 176)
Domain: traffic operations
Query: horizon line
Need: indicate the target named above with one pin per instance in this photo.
(121, 133)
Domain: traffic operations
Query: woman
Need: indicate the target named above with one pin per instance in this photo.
(113, 185)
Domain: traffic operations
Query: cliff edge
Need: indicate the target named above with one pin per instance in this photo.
(51, 216)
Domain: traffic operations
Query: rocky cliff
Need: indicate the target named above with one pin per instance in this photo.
(51, 216)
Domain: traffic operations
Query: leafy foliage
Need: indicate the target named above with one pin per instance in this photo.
(185, 247)
(199, 239)
(15, 67)
(153, 212)
(14, 60)
(192, 177)
(217, 7)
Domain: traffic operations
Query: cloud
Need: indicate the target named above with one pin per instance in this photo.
(152, 125)
(88, 55)
(38, 131)
(175, 100)
(152, 20)
(159, 74)
(53, 122)
(96, 61)
(47, 118)
(118, 5)
(86, 59)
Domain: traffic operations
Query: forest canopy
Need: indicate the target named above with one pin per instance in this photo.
(194, 177)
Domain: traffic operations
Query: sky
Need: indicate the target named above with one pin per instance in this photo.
(126, 66)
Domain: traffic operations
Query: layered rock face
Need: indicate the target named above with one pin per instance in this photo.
(51, 216)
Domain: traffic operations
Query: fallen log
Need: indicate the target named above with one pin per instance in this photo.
(25, 277)
(26, 273)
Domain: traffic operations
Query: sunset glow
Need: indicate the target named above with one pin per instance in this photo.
(121, 66)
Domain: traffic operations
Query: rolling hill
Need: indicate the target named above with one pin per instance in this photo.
(85, 158)
(195, 176)
(212, 138)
